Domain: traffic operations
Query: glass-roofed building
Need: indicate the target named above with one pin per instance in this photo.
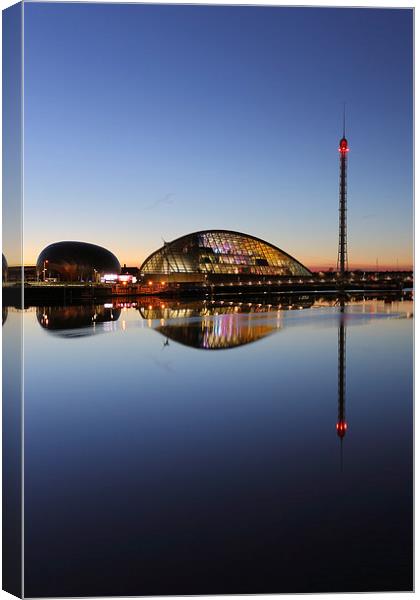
(218, 255)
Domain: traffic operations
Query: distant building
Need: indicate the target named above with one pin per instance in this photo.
(29, 273)
(133, 271)
(76, 261)
(5, 269)
(219, 255)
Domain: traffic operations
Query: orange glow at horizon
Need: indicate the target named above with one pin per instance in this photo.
(405, 264)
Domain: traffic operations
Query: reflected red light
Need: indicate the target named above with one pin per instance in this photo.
(341, 428)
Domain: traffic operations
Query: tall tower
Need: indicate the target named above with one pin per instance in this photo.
(342, 260)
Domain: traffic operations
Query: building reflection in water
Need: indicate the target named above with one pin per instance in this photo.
(76, 321)
(218, 332)
(218, 324)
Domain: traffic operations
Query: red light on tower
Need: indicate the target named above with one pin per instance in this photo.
(343, 146)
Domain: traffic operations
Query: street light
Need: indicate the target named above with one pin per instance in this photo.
(45, 269)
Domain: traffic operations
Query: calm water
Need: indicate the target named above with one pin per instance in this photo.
(192, 448)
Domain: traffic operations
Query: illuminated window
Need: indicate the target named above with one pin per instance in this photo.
(222, 252)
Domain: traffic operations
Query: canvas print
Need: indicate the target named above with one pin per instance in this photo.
(207, 299)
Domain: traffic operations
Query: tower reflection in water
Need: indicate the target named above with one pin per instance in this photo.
(76, 321)
(341, 425)
(217, 325)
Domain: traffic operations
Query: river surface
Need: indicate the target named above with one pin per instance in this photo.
(218, 447)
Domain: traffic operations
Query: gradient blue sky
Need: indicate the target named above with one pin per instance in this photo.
(144, 121)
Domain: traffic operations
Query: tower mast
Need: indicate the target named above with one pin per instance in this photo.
(342, 260)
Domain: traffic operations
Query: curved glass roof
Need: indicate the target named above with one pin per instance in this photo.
(222, 252)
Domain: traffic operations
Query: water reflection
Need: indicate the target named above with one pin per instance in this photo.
(217, 325)
(217, 333)
(341, 418)
(240, 423)
(76, 321)
(209, 324)
(154, 308)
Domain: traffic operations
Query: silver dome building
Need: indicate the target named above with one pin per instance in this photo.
(76, 261)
